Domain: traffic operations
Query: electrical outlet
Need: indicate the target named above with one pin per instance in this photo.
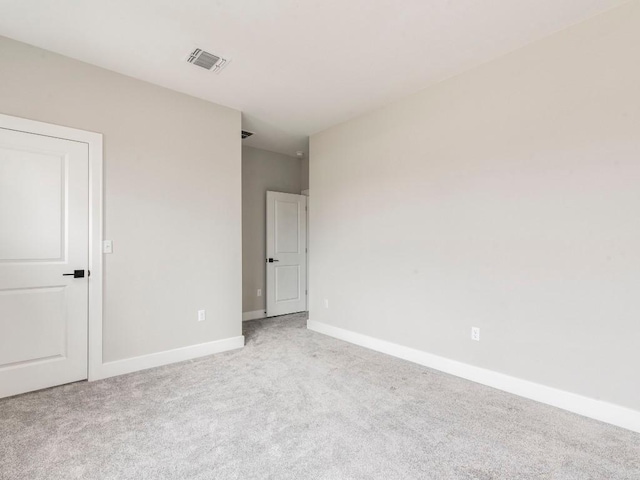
(259, 292)
(475, 334)
(202, 315)
(326, 303)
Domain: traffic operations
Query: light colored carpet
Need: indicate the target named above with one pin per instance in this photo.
(294, 404)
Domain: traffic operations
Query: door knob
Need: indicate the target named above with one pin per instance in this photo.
(271, 260)
(75, 274)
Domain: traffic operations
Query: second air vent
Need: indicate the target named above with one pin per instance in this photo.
(207, 60)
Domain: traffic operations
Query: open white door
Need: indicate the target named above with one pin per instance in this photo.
(44, 237)
(286, 253)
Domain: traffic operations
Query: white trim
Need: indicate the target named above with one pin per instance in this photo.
(255, 315)
(588, 407)
(96, 220)
(94, 141)
(306, 248)
(143, 362)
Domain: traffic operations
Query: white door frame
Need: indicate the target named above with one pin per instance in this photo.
(306, 194)
(94, 141)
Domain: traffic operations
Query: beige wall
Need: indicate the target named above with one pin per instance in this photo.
(172, 196)
(506, 198)
(261, 171)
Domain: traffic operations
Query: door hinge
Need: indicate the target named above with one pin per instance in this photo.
(306, 292)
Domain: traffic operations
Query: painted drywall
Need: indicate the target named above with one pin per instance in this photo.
(506, 198)
(172, 179)
(304, 173)
(261, 171)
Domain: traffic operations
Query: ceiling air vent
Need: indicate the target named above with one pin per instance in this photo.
(207, 60)
(246, 134)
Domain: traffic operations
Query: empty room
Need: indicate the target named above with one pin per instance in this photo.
(319, 239)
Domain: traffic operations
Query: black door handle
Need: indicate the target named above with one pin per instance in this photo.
(271, 260)
(76, 274)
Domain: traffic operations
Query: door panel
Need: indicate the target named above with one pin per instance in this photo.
(287, 283)
(287, 225)
(44, 234)
(32, 322)
(286, 246)
(35, 193)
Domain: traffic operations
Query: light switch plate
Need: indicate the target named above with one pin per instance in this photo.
(107, 246)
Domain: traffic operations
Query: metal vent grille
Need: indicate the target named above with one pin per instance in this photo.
(246, 134)
(206, 60)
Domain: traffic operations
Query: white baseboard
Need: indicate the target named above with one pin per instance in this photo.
(256, 314)
(129, 365)
(588, 407)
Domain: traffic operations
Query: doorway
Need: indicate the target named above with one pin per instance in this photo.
(47, 219)
(263, 171)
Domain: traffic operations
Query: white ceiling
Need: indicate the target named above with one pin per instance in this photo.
(298, 66)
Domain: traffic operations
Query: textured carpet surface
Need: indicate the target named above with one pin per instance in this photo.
(294, 404)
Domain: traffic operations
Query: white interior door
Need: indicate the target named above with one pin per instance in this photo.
(44, 236)
(286, 253)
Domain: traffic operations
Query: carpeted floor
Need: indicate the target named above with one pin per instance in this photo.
(294, 404)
